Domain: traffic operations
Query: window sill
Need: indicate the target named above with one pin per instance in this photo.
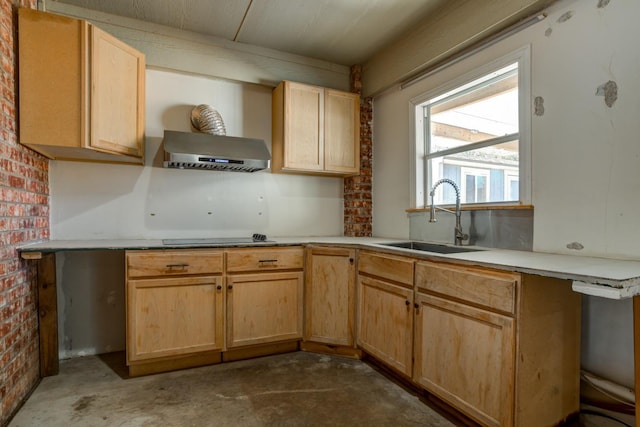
(478, 207)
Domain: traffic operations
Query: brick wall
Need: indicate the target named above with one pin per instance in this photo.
(24, 217)
(358, 203)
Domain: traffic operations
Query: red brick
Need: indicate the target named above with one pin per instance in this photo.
(358, 202)
(24, 217)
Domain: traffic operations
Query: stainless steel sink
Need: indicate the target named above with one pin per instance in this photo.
(432, 247)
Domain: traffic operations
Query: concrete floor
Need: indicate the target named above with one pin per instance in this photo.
(294, 389)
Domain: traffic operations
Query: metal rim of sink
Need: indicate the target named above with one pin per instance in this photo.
(438, 248)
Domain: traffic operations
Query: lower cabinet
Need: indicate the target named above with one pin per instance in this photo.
(330, 296)
(175, 309)
(264, 295)
(385, 307)
(502, 348)
(174, 316)
(264, 308)
(465, 355)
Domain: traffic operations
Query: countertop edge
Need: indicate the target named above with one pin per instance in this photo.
(603, 277)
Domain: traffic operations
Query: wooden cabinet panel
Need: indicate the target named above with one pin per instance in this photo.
(174, 316)
(341, 129)
(492, 289)
(173, 262)
(42, 115)
(264, 308)
(117, 95)
(315, 130)
(256, 259)
(394, 268)
(89, 104)
(466, 356)
(304, 137)
(548, 352)
(330, 296)
(385, 322)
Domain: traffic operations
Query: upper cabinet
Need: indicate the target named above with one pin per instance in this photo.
(315, 130)
(81, 91)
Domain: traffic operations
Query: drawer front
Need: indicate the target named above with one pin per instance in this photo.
(173, 263)
(486, 288)
(264, 259)
(390, 267)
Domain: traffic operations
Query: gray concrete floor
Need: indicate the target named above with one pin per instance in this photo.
(294, 389)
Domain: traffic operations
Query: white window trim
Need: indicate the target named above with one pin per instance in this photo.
(417, 152)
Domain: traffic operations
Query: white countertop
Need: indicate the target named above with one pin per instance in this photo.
(603, 277)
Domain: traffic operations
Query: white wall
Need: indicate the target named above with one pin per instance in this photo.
(103, 201)
(586, 155)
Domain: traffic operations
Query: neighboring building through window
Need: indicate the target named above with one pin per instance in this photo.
(472, 133)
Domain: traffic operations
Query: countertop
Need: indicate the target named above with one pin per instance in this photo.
(603, 277)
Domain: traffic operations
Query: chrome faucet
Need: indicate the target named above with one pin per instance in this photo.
(459, 235)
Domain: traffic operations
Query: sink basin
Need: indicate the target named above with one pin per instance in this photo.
(431, 247)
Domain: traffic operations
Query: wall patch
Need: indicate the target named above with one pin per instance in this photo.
(603, 3)
(610, 92)
(575, 245)
(565, 17)
(538, 106)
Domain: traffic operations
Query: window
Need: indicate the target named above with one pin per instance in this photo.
(474, 131)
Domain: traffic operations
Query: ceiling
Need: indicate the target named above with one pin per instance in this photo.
(344, 32)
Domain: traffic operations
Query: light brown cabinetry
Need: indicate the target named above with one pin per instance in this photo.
(330, 296)
(174, 309)
(483, 341)
(315, 130)
(385, 305)
(264, 295)
(464, 346)
(81, 90)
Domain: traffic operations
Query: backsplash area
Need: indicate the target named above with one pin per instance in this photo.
(492, 228)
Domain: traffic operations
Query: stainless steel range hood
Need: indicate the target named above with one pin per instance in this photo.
(193, 150)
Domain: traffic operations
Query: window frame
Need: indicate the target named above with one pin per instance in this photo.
(420, 182)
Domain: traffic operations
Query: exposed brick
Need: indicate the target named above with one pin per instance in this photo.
(24, 217)
(358, 201)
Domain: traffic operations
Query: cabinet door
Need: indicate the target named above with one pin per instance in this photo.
(465, 356)
(341, 132)
(52, 98)
(117, 95)
(174, 316)
(264, 308)
(330, 296)
(303, 133)
(385, 322)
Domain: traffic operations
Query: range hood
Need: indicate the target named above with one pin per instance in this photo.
(193, 150)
